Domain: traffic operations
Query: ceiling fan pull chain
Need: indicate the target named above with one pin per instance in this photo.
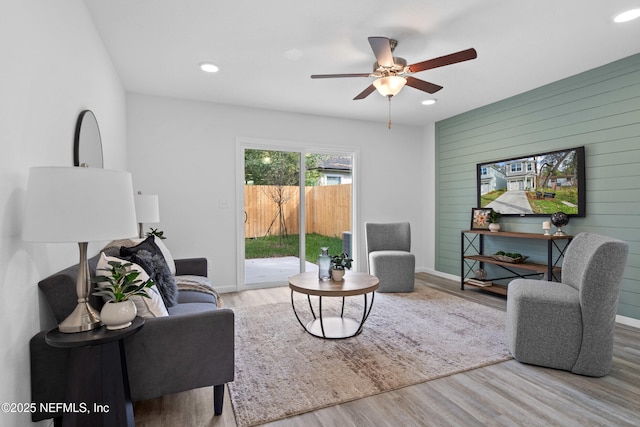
(389, 123)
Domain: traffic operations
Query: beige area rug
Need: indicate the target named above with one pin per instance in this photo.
(282, 371)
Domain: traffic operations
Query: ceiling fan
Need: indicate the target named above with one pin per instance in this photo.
(392, 72)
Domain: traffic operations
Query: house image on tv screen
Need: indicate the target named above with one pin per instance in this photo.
(491, 179)
(521, 175)
(539, 184)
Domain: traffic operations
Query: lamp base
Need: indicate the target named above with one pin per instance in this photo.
(83, 318)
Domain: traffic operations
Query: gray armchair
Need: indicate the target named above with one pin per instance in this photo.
(193, 347)
(389, 256)
(569, 325)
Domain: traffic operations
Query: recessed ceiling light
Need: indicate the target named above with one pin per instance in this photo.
(209, 67)
(629, 15)
(429, 101)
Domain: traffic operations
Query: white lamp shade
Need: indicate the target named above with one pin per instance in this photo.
(390, 85)
(77, 204)
(147, 208)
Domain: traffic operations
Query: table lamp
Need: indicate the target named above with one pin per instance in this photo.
(147, 210)
(79, 204)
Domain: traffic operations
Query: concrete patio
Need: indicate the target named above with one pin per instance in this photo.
(269, 270)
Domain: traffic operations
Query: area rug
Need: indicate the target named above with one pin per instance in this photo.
(282, 371)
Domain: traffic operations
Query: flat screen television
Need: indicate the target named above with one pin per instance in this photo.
(537, 185)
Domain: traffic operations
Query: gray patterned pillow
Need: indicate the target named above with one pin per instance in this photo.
(158, 270)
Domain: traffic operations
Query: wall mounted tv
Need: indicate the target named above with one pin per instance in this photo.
(536, 185)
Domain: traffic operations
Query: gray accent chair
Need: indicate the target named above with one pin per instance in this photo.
(193, 347)
(569, 325)
(389, 255)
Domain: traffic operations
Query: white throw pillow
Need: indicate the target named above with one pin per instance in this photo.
(147, 307)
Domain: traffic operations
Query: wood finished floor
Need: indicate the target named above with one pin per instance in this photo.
(504, 394)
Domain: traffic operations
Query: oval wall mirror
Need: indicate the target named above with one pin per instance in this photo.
(87, 147)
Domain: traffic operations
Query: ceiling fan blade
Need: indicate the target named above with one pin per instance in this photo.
(362, 95)
(422, 85)
(463, 55)
(331, 76)
(381, 47)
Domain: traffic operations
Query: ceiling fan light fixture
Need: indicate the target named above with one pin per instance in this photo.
(208, 67)
(390, 85)
(627, 16)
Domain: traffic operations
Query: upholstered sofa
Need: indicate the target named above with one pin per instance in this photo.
(189, 347)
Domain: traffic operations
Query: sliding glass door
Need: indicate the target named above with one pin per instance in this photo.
(295, 203)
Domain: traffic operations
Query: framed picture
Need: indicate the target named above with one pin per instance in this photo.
(480, 218)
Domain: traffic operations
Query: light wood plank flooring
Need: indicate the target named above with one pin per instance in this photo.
(505, 394)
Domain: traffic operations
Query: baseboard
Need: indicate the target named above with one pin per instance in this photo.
(438, 273)
(629, 321)
(225, 289)
(623, 320)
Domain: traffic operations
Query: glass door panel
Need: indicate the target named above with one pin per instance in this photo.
(328, 204)
(272, 215)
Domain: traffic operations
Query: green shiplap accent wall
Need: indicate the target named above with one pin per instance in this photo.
(599, 109)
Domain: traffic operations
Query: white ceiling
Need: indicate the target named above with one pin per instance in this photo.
(267, 50)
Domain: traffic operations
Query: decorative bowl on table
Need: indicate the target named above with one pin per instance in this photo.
(513, 258)
(559, 219)
(480, 274)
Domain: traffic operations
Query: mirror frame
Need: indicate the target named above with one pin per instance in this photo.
(87, 146)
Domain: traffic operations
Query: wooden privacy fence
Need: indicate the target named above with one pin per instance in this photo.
(328, 210)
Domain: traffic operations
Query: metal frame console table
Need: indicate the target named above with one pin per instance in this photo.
(472, 254)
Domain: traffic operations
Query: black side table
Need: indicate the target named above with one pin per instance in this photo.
(97, 391)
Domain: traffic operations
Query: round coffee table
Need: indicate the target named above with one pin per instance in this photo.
(353, 284)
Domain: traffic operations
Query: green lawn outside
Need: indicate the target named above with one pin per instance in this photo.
(548, 206)
(543, 205)
(485, 199)
(269, 247)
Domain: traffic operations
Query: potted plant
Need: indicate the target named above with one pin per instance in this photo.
(494, 217)
(117, 286)
(340, 263)
(155, 232)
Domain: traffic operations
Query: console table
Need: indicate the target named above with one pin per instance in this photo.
(472, 254)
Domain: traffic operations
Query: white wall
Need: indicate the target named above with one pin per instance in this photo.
(185, 151)
(429, 197)
(53, 67)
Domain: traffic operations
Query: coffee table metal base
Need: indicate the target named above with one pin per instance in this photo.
(334, 327)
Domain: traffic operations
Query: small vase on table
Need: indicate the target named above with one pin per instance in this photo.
(324, 264)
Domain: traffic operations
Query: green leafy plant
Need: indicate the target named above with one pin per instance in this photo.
(155, 232)
(494, 217)
(341, 262)
(120, 283)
